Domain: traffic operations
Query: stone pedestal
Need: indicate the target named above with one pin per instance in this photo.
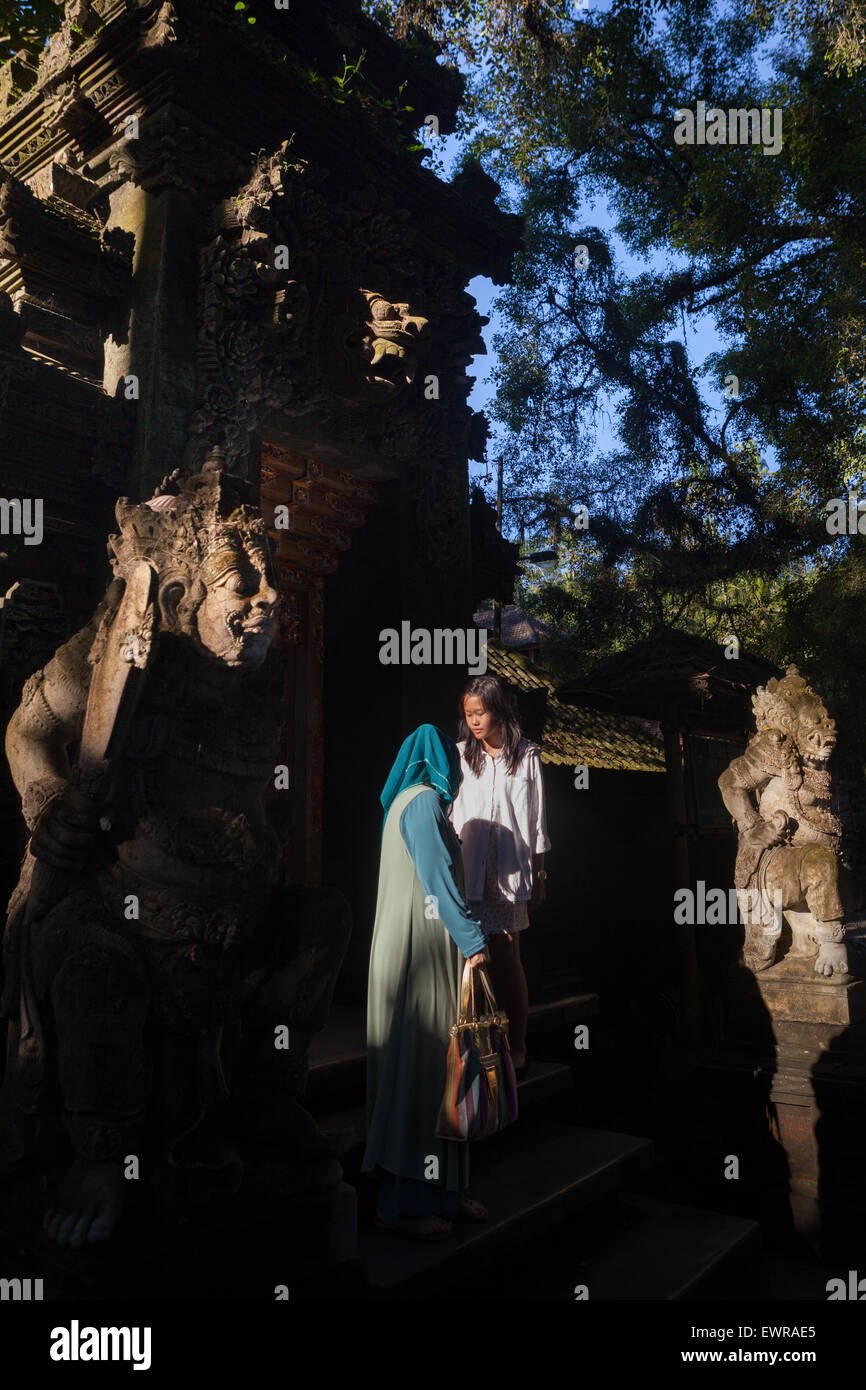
(798, 1046)
(793, 992)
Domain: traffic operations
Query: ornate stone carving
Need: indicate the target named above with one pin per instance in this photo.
(215, 957)
(780, 794)
(168, 39)
(136, 643)
(37, 142)
(168, 153)
(390, 342)
(288, 325)
(108, 89)
(68, 109)
(80, 20)
(17, 77)
(70, 280)
(164, 29)
(253, 318)
(11, 329)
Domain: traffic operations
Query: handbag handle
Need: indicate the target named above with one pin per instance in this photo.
(467, 991)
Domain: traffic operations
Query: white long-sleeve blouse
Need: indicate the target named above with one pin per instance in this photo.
(515, 806)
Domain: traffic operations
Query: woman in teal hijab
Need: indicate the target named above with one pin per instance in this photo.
(423, 933)
(427, 757)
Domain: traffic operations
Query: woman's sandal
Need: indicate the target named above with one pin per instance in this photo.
(520, 1072)
(414, 1234)
(471, 1210)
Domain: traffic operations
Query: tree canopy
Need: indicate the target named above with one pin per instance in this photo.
(26, 24)
(708, 507)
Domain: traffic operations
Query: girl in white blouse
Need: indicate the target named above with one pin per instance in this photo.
(499, 815)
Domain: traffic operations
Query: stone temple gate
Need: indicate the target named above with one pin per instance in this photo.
(214, 256)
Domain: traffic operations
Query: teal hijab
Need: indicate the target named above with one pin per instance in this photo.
(426, 758)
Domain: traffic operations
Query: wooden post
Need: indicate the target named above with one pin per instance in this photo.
(676, 789)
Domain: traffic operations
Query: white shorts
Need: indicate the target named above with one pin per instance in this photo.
(498, 917)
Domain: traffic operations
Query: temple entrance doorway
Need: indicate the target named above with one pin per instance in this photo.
(312, 509)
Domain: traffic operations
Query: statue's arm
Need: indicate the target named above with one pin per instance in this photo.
(47, 722)
(742, 779)
(738, 786)
(50, 717)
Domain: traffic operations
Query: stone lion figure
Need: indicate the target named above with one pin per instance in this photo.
(779, 792)
(163, 1007)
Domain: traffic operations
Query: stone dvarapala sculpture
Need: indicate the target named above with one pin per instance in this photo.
(779, 793)
(160, 991)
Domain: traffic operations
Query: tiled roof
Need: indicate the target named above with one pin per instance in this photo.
(518, 630)
(575, 736)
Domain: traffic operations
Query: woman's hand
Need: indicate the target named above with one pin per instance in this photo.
(539, 882)
(480, 958)
(539, 893)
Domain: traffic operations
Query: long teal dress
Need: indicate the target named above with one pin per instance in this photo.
(423, 932)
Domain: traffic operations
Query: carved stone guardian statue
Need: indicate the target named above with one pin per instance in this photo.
(779, 793)
(163, 1001)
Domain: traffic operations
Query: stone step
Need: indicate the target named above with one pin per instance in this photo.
(562, 1014)
(338, 1053)
(546, 1081)
(551, 1172)
(648, 1249)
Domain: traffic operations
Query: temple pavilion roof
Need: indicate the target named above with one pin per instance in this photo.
(573, 736)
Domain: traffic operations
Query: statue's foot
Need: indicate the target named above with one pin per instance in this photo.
(758, 963)
(832, 960)
(87, 1205)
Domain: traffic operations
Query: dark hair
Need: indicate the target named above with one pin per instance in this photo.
(497, 702)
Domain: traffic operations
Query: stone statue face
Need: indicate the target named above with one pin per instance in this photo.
(237, 619)
(816, 737)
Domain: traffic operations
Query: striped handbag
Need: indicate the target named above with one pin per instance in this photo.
(480, 1086)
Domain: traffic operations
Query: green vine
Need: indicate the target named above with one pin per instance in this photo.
(240, 8)
(353, 85)
(257, 161)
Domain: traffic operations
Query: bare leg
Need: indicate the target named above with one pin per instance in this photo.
(510, 988)
(808, 878)
(99, 1000)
